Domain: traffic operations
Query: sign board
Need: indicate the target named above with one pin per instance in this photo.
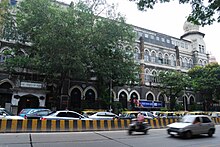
(31, 85)
(151, 104)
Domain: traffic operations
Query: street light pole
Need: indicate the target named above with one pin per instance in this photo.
(110, 95)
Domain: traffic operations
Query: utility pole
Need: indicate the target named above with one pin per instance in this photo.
(110, 95)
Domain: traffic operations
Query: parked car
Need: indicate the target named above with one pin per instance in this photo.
(215, 114)
(148, 115)
(34, 113)
(133, 114)
(128, 115)
(64, 115)
(104, 116)
(4, 114)
(168, 114)
(89, 112)
(192, 125)
(155, 113)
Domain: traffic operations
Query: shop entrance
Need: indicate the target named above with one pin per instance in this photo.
(28, 101)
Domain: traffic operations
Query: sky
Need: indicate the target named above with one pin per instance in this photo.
(167, 18)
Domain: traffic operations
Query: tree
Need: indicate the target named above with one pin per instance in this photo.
(203, 13)
(71, 42)
(206, 81)
(172, 84)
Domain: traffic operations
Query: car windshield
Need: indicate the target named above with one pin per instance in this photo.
(187, 119)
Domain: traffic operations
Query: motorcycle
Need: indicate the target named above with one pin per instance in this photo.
(136, 126)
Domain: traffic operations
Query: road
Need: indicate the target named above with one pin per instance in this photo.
(154, 138)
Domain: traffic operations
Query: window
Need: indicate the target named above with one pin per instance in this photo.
(166, 59)
(147, 76)
(74, 115)
(157, 38)
(146, 35)
(136, 55)
(190, 63)
(62, 114)
(184, 63)
(146, 56)
(162, 39)
(182, 44)
(172, 60)
(160, 58)
(168, 41)
(200, 48)
(206, 120)
(151, 36)
(154, 74)
(153, 57)
(186, 46)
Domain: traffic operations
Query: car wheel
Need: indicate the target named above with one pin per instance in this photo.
(210, 133)
(171, 135)
(188, 134)
(145, 132)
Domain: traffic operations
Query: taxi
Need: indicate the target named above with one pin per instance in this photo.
(89, 112)
(167, 114)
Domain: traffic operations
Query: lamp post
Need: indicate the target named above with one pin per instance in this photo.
(110, 95)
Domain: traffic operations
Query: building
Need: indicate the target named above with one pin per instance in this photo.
(157, 52)
(154, 52)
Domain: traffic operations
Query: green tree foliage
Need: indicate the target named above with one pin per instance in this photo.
(206, 81)
(72, 41)
(172, 84)
(203, 12)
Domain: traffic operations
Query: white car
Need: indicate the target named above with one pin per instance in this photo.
(4, 114)
(65, 115)
(192, 125)
(147, 115)
(104, 116)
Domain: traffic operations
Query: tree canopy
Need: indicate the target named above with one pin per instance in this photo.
(203, 12)
(206, 81)
(71, 41)
(172, 83)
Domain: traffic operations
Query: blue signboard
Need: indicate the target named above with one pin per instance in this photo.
(152, 104)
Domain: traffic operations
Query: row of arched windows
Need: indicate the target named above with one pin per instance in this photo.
(166, 59)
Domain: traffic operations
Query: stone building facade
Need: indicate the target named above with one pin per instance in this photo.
(154, 52)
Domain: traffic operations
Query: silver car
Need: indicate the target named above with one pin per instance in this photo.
(192, 125)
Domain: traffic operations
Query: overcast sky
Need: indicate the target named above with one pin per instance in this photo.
(167, 19)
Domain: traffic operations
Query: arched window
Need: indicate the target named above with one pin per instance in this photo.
(136, 54)
(200, 62)
(184, 63)
(4, 57)
(191, 100)
(150, 97)
(146, 56)
(190, 63)
(154, 76)
(160, 58)
(166, 59)
(172, 60)
(147, 75)
(153, 57)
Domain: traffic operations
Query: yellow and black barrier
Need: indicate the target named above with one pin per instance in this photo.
(7, 126)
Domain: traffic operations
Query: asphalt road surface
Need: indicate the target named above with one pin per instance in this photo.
(154, 138)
